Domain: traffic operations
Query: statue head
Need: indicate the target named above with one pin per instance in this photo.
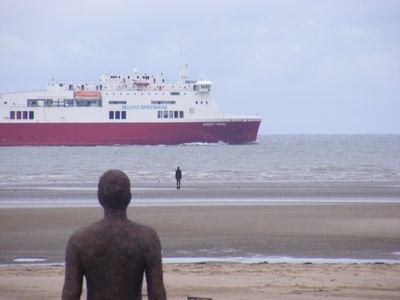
(114, 190)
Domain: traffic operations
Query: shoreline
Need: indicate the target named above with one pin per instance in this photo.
(204, 193)
(41, 262)
(230, 281)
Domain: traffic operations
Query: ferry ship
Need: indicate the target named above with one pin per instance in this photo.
(135, 109)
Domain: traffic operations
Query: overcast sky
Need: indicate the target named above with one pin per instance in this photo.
(304, 66)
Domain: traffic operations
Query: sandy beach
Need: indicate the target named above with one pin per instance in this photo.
(231, 281)
(369, 231)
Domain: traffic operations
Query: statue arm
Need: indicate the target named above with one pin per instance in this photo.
(154, 272)
(73, 274)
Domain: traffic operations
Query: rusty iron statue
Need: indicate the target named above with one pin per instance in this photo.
(115, 253)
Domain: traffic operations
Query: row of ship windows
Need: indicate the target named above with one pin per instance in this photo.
(152, 102)
(96, 102)
(22, 115)
(161, 114)
(117, 115)
(112, 114)
(129, 77)
(156, 102)
(171, 114)
(62, 103)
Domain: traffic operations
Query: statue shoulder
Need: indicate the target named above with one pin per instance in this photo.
(85, 232)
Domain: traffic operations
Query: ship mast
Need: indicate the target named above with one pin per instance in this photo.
(182, 67)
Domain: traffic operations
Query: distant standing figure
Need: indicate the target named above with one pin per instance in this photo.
(178, 177)
(114, 253)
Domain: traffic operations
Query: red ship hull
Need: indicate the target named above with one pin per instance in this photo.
(233, 132)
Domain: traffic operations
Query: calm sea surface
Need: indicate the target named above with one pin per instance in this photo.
(290, 158)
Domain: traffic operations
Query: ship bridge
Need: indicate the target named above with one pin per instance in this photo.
(202, 86)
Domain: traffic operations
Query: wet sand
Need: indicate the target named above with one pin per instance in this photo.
(231, 281)
(369, 231)
(270, 191)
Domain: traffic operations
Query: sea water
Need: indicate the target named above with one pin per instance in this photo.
(273, 158)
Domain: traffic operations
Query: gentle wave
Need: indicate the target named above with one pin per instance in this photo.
(272, 158)
(239, 259)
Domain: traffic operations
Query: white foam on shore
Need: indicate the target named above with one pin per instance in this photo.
(167, 202)
(48, 203)
(30, 259)
(277, 260)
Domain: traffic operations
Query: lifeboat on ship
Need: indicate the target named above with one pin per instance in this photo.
(140, 83)
(87, 95)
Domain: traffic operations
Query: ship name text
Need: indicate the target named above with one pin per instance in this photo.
(145, 107)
